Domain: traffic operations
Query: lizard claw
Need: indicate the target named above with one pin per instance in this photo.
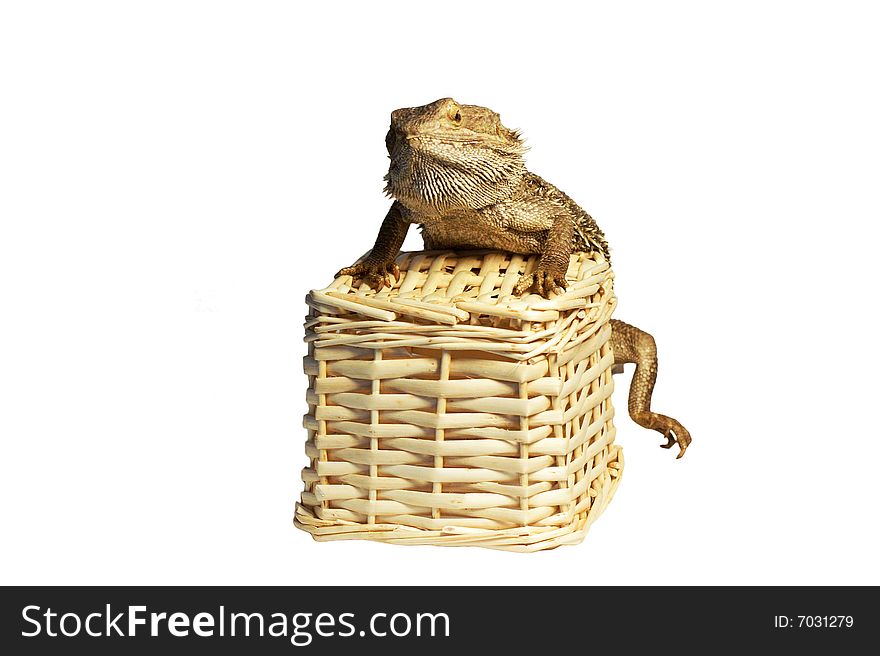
(670, 440)
(668, 427)
(544, 281)
(374, 274)
(680, 437)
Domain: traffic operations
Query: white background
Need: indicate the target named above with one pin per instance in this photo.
(174, 177)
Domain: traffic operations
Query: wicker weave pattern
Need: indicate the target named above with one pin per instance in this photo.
(446, 411)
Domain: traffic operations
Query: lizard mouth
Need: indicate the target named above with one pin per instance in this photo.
(442, 140)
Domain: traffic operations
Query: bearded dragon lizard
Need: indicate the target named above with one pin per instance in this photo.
(457, 172)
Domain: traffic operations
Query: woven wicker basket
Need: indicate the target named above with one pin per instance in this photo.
(447, 411)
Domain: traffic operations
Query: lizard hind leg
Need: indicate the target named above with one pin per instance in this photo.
(632, 345)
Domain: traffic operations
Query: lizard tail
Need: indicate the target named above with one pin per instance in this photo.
(631, 345)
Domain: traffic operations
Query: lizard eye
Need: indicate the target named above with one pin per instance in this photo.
(455, 115)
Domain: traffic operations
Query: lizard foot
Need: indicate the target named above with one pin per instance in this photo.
(544, 281)
(374, 274)
(675, 434)
(672, 430)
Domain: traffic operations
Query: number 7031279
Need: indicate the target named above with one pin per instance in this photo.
(813, 621)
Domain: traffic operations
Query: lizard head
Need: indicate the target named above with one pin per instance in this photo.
(446, 155)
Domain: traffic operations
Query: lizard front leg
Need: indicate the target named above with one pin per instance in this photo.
(631, 345)
(376, 266)
(556, 253)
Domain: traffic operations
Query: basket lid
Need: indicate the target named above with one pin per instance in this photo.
(450, 287)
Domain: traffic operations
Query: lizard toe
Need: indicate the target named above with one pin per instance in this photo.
(544, 282)
(540, 286)
(525, 283)
(549, 282)
(558, 283)
(670, 439)
(372, 274)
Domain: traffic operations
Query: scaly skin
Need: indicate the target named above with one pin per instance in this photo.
(631, 345)
(459, 174)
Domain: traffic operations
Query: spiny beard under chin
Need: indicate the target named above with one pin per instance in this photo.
(442, 176)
